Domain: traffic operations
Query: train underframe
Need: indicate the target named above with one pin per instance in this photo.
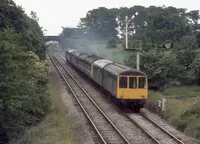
(133, 104)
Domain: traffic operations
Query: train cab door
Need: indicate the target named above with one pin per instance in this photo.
(122, 86)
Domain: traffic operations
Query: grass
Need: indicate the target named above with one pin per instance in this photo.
(183, 91)
(182, 108)
(153, 97)
(54, 129)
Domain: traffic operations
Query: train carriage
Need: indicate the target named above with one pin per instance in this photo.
(82, 62)
(89, 64)
(75, 58)
(68, 54)
(124, 83)
(98, 67)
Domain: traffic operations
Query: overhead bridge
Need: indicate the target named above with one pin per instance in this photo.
(59, 39)
(54, 38)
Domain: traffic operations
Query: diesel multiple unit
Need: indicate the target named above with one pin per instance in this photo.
(127, 85)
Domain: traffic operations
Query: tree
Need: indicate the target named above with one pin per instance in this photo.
(100, 23)
(23, 98)
(195, 70)
(34, 16)
(14, 17)
(72, 33)
(185, 56)
(160, 68)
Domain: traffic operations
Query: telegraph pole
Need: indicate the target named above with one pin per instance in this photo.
(137, 50)
(126, 20)
(138, 60)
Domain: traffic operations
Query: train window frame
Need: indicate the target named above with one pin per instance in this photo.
(136, 80)
(145, 83)
(124, 87)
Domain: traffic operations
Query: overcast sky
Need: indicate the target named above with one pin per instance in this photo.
(53, 14)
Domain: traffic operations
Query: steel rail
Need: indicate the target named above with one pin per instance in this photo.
(145, 131)
(111, 123)
(163, 129)
(83, 109)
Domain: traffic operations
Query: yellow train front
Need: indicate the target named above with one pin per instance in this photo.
(127, 85)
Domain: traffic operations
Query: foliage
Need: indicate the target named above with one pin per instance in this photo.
(111, 43)
(185, 54)
(23, 100)
(152, 100)
(159, 67)
(14, 17)
(189, 120)
(167, 36)
(182, 110)
(100, 23)
(164, 68)
(72, 33)
(55, 128)
(23, 97)
(195, 70)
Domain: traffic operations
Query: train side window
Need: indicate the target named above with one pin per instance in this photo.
(142, 82)
(123, 82)
(132, 82)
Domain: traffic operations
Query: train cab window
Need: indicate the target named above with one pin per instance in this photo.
(142, 82)
(123, 82)
(132, 82)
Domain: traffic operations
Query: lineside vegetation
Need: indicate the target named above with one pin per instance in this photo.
(24, 100)
(54, 128)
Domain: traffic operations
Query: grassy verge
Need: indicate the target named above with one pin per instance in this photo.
(182, 108)
(54, 129)
(183, 91)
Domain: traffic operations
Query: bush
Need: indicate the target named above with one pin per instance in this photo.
(111, 43)
(195, 70)
(23, 87)
(160, 68)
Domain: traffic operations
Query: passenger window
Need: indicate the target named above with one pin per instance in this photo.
(132, 82)
(142, 82)
(123, 82)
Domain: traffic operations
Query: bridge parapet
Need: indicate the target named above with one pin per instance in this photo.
(53, 38)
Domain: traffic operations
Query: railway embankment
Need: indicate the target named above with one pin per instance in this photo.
(182, 108)
(55, 127)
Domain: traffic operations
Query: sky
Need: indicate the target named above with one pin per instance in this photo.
(55, 14)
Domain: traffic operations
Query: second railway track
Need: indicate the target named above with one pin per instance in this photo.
(106, 130)
(153, 131)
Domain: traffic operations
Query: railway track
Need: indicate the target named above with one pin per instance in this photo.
(157, 133)
(162, 129)
(160, 135)
(103, 126)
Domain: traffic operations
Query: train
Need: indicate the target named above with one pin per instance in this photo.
(126, 85)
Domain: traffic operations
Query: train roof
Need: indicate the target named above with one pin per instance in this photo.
(119, 69)
(102, 63)
(91, 58)
(83, 56)
(71, 50)
(77, 54)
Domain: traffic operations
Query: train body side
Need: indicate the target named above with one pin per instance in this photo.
(98, 70)
(122, 82)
